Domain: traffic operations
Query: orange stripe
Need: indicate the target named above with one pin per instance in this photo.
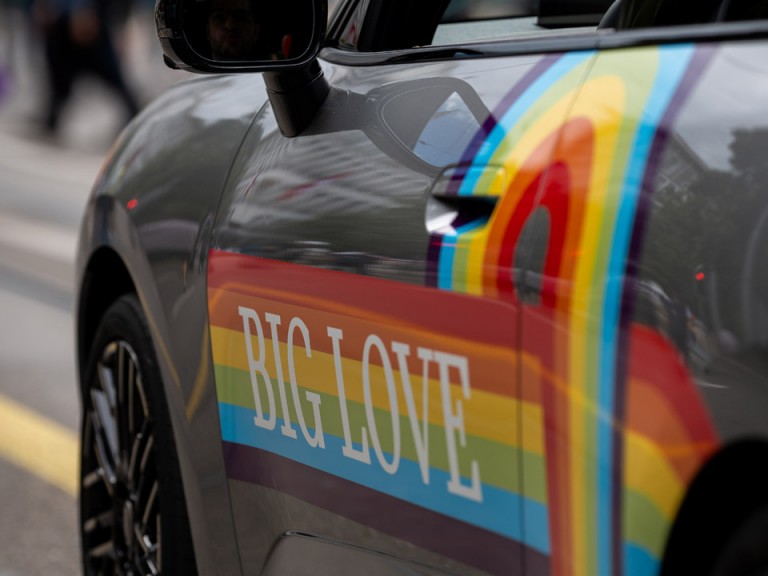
(365, 298)
(667, 367)
(669, 435)
(492, 369)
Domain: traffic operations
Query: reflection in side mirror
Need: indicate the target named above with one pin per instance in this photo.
(232, 32)
(240, 35)
(246, 30)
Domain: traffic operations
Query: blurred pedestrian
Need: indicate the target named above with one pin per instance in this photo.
(78, 40)
(13, 28)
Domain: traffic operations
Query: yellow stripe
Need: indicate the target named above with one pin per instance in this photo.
(473, 246)
(39, 446)
(648, 472)
(543, 119)
(533, 428)
(606, 120)
(525, 137)
(486, 415)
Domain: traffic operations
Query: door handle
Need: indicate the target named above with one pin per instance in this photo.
(462, 195)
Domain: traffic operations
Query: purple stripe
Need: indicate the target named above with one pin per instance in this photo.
(699, 62)
(433, 260)
(435, 241)
(424, 528)
(490, 123)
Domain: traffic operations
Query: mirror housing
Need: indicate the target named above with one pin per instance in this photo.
(290, 33)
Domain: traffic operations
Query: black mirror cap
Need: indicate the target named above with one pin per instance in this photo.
(172, 21)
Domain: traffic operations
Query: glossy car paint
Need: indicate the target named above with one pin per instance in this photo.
(556, 275)
(152, 209)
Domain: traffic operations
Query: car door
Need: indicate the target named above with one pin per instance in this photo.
(626, 340)
(602, 469)
(364, 315)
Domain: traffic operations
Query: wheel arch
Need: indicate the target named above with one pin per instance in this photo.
(105, 279)
(722, 496)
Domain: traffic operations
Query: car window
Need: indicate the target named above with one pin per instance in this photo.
(384, 25)
(397, 24)
(488, 30)
(631, 14)
(470, 21)
(735, 10)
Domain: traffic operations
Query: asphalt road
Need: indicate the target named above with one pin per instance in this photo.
(38, 403)
(44, 184)
(39, 408)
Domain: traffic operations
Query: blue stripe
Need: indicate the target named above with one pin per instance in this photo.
(500, 511)
(638, 562)
(515, 113)
(537, 526)
(673, 64)
(445, 278)
(445, 265)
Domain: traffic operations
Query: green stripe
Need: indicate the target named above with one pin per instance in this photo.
(498, 463)
(535, 476)
(644, 524)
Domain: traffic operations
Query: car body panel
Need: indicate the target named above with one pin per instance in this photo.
(555, 242)
(153, 206)
(627, 101)
(369, 211)
(350, 367)
(601, 456)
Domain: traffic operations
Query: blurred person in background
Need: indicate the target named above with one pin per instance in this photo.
(78, 39)
(15, 27)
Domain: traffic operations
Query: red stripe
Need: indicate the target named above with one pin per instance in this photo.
(470, 318)
(667, 377)
(492, 370)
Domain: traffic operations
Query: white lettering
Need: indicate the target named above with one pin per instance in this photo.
(312, 397)
(257, 368)
(378, 375)
(374, 341)
(362, 455)
(420, 434)
(454, 422)
(274, 321)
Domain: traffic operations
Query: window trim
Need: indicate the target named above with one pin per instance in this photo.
(602, 39)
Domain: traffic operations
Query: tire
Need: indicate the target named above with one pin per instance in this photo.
(746, 552)
(133, 517)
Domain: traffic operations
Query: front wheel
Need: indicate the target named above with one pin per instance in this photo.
(746, 552)
(133, 517)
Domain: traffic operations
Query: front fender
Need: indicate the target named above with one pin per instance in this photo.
(147, 227)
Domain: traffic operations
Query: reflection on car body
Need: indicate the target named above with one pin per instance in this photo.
(469, 288)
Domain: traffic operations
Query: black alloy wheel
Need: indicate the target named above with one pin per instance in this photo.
(132, 519)
(746, 551)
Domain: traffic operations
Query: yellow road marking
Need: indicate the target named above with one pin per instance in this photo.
(38, 445)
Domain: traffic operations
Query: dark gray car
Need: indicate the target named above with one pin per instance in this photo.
(451, 287)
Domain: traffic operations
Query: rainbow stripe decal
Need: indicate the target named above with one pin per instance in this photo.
(375, 400)
(615, 475)
(567, 451)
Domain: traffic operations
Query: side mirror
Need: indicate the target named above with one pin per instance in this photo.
(240, 35)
